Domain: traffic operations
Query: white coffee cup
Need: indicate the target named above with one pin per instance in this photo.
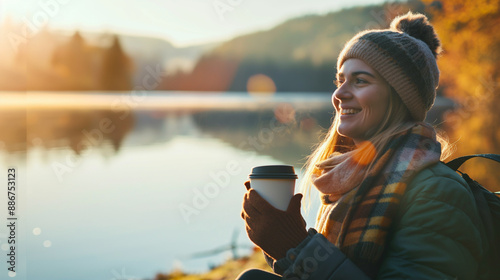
(275, 183)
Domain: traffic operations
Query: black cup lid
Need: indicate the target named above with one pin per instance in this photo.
(273, 172)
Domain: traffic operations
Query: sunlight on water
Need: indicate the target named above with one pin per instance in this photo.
(151, 100)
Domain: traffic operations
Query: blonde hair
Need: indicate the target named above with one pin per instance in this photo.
(397, 120)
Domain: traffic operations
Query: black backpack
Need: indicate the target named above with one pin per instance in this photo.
(488, 204)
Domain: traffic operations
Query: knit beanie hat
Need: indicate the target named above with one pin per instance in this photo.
(405, 56)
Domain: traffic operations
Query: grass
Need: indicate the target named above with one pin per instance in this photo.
(228, 270)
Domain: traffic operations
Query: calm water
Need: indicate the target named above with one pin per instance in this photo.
(124, 186)
(126, 191)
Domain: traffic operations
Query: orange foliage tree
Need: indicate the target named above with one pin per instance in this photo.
(470, 74)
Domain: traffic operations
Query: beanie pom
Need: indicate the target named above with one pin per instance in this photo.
(417, 26)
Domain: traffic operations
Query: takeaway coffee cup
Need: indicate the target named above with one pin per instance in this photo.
(275, 183)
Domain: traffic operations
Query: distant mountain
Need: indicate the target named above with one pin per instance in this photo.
(150, 53)
(155, 51)
(297, 55)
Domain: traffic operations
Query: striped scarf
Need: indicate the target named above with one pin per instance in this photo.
(358, 221)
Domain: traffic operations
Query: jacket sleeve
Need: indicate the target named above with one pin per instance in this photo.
(317, 258)
(437, 235)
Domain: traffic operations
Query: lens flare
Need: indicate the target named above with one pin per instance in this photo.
(47, 243)
(37, 231)
(261, 84)
(365, 153)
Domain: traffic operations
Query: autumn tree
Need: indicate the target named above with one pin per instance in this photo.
(470, 74)
(116, 70)
(72, 62)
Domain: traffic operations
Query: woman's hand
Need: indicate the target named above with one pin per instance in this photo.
(273, 230)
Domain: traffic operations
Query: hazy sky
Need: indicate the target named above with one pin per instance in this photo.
(183, 22)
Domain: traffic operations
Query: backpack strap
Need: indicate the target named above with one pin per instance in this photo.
(456, 163)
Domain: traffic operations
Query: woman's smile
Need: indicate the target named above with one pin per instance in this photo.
(349, 112)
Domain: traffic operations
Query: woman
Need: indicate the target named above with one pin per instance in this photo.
(390, 209)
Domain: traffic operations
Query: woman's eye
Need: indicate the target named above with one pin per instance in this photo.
(338, 83)
(360, 81)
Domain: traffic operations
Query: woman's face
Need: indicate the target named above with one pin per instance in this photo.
(361, 100)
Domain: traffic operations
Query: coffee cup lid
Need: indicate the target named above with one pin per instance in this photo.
(273, 172)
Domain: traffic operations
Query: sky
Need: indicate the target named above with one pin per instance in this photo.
(182, 22)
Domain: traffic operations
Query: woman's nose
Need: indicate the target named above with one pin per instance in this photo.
(341, 93)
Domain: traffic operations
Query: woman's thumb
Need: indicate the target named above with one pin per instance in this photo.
(295, 202)
(247, 185)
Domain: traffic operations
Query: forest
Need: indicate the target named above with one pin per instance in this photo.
(54, 62)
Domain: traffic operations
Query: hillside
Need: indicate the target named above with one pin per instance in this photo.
(297, 55)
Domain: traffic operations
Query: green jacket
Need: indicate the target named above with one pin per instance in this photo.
(437, 235)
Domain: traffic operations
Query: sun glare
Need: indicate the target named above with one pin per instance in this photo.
(261, 85)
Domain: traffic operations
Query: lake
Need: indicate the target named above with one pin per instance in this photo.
(125, 186)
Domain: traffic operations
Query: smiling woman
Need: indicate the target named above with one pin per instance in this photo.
(389, 208)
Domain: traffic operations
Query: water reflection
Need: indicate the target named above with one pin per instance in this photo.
(273, 126)
(287, 139)
(77, 129)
